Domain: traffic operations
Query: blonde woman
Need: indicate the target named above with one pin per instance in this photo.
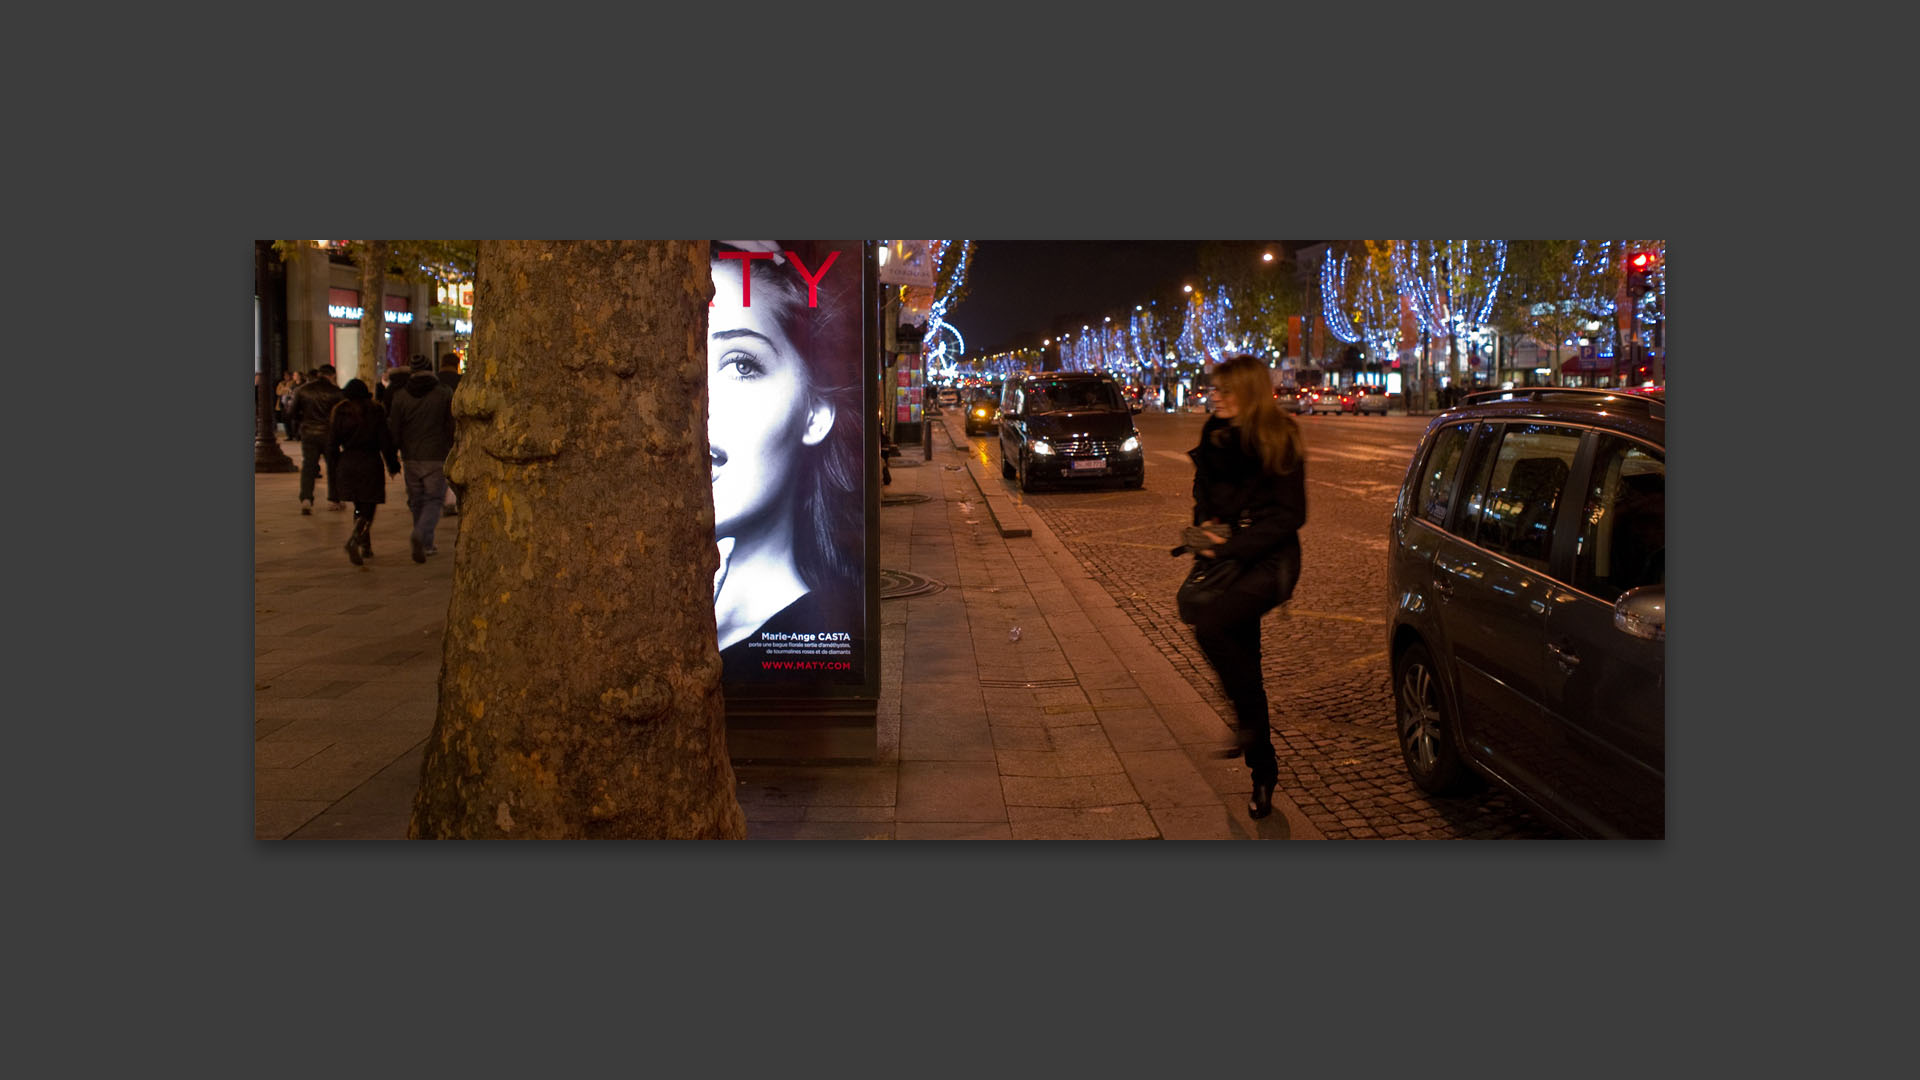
(1250, 500)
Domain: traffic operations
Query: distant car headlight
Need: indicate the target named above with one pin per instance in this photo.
(1132, 444)
(979, 412)
(1042, 447)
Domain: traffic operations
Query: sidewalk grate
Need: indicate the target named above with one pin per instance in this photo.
(903, 500)
(896, 584)
(1028, 684)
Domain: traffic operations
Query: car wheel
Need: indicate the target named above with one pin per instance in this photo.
(1138, 482)
(1424, 721)
(1026, 476)
(1006, 470)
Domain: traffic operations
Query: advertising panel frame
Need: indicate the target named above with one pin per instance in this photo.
(831, 722)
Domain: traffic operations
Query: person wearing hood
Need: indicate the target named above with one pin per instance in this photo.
(358, 437)
(420, 413)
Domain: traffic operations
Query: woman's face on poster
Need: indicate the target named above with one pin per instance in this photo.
(760, 413)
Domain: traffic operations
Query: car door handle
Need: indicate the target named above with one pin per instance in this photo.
(1565, 658)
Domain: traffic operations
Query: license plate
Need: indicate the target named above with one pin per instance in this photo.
(1089, 465)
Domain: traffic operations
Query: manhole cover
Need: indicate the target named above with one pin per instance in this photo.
(895, 584)
(902, 500)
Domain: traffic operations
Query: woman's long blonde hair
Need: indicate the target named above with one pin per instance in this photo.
(1264, 429)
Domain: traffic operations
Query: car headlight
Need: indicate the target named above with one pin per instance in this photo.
(1132, 444)
(980, 412)
(1042, 447)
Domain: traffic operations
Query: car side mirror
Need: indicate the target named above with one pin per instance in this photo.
(1134, 408)
(1642, 612)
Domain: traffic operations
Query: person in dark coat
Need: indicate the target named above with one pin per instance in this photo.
(312, 410)
(422, 421)
(390, 382)
(1250, 500)
(361, 443)
(450, 376)
(450, 370)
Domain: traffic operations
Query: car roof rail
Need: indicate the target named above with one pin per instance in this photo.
(1655, 402)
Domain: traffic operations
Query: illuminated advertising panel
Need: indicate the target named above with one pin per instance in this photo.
(795, 598)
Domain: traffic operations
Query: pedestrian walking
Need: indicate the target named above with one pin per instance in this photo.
(421, 418)
(1249, 502)
(313, 410)
(391, 381)
(362, 444)
(450, 378)
(450, 370)
(283, 405)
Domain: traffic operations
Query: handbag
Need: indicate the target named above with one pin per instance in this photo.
(1207, 581)
(1210, 579)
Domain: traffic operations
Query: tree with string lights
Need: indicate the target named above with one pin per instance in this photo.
(1453, 285)
(1555, 288)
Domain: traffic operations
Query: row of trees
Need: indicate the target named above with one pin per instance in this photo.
(1374, 299)
(1380, 295)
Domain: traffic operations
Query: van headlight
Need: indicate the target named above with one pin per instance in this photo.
(1132, 444)
(1042, 447)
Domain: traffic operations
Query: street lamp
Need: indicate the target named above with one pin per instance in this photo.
(1266, 257)
(1186, 288)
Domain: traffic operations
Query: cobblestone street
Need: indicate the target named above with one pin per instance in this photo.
(1324, 652)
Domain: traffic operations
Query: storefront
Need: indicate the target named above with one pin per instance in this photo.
(450, 324)
(323, 308)
(343, 336)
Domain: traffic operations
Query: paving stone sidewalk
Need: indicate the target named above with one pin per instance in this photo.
(1079, 729)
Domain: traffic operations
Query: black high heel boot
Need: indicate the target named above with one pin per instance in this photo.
(353, 543)
(1262, 802)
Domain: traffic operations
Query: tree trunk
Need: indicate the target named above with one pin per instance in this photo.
(373, 312)
(580, 688)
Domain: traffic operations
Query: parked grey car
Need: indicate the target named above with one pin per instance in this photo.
(1527, 606)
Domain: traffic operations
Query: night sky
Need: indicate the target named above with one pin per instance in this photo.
(1023, 290)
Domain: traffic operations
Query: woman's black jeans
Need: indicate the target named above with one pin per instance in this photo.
(1229, 635)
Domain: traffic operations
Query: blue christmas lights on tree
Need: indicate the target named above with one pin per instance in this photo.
(1333, 298)
(1379, 302)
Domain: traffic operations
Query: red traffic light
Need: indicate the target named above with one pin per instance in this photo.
(1640, 261)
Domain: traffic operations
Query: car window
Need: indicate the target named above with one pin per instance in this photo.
(1066, 396)
(1516, 489)
(1623, 533)
(1436, 476)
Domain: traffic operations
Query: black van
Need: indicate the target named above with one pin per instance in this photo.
(1527, 605)
(1069, 426)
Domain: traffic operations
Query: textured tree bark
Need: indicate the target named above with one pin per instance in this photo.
(580, 687)
(373, 313)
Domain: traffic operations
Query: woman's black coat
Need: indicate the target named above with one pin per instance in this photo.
(362, 443)
(1231, 484)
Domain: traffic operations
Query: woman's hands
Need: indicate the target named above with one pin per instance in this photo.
(1213, 531)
